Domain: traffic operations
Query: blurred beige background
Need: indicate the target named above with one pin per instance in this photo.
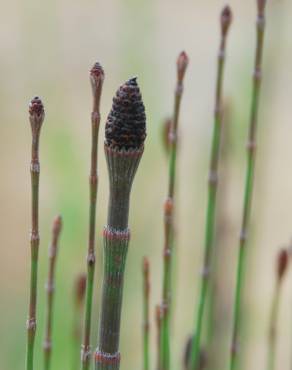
(47, 48)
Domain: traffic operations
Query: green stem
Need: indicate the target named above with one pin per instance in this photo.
(212, 197)
(158, 317)
(146, 324)
(50, 286)
(122, 168)
(36, 117)
(251, 146)
(182, 63)
(96, 78)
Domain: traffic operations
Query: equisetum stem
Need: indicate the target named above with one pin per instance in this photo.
(182, 63)
(282, 264)
(50, 287)
(79, 295)
(226, 17)
(146, 323)
(124, 146)
(158, 317)
(36, 117)
(251, 148)
(96, 79)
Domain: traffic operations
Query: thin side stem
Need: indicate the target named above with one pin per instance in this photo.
(79, 295)
(146, 303)
(158, 317)
(273, 328)
(281, 269)
(50, 287)
(212, 199)
(251, 146)
(182, 63)
(96, 78)
(36, 117)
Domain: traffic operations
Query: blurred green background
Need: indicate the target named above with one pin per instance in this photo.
(47, 48)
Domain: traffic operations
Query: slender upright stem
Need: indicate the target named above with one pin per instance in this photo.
(36, 117)
(79, 295)
(96, 79)
(226, 17)
(251, 149)
(182, 63)
(158, 317)
(50, 287)
(282, 264)
(146, 323)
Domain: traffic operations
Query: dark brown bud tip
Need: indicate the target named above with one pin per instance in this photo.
(36, 107)
(226, 19)
(57, 225)
(282, 263)
(96, 74)
(261, 7)
(182, 63)
(126, 123)
(80, 288)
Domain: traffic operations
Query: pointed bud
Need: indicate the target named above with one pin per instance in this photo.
(261, 7)
(226, 19)
(36, 114)
(282, 263)
(96, 79)
(182, 63)
(126, 123)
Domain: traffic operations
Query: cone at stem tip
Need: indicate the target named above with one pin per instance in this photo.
(226, 19)
(36, 113)
(282, 263)
(126, 123)
(182, 63)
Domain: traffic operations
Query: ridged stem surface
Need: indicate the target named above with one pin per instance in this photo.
(122, 166)
(245, 226)
(36, 117)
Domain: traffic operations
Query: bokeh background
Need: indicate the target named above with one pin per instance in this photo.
(47, 48)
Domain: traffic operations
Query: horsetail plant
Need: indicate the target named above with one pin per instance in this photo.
(96, 79)
(146, 304)
(125, 133)
(36, 118)
(225, 21)
(158, 318)
(79, 295)
(281, 269)
(251, 149)
(182, 63)
(50, 288)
